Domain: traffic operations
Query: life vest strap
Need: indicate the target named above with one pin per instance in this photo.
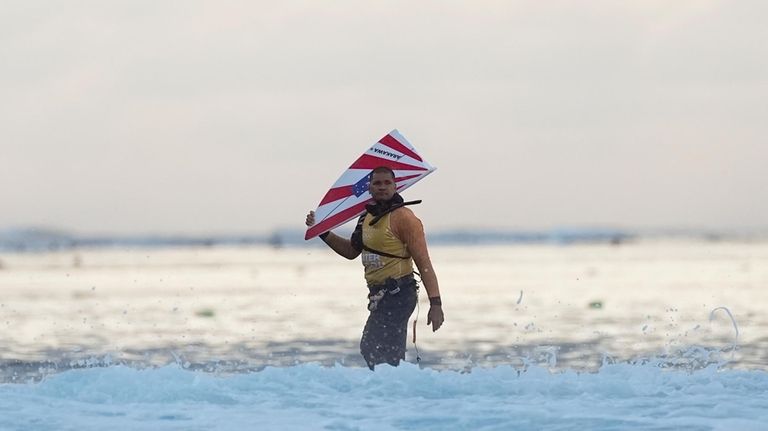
(390, 209)
(383, 253)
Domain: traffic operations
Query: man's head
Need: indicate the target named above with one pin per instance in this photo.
(382, 185)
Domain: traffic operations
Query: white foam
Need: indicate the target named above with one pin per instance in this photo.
(619, 396)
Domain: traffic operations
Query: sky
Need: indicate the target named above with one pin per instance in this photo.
(133, 117)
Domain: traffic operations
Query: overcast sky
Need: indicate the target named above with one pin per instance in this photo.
(237, 116)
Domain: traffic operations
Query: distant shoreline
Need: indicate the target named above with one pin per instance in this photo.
(42, 240)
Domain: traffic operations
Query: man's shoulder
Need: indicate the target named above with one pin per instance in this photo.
(404, 219)
(404, 212)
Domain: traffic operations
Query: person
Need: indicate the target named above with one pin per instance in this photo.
(390, 239)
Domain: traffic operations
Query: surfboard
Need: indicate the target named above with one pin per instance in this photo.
(347, 197)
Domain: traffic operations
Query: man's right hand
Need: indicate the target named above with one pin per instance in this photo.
(310, 218)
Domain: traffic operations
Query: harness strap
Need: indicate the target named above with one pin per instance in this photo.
(383, 253)
(390, 209)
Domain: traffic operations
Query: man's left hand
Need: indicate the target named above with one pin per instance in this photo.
(435, 317)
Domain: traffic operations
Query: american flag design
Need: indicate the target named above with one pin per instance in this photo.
(347, 197)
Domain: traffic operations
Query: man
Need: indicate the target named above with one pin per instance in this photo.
(390, 238)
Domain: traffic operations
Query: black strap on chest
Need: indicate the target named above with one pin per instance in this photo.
(393, 207)
(383, 253)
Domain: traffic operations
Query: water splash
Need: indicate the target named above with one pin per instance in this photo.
(733, 321)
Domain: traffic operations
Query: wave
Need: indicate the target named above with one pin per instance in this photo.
(311, 396)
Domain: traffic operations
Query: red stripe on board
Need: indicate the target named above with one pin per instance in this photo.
(342, 192)
(393, 143)
(335, 220)
(336, 193)
(367, 161)
(407, 177)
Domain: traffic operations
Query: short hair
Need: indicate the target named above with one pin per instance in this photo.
(383, 169)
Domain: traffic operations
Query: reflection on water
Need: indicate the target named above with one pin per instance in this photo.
(234, 309)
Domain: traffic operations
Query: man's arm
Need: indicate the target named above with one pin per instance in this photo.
(409, 229)
(342, 246)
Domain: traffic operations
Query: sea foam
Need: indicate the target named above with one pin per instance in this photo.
(310, 396)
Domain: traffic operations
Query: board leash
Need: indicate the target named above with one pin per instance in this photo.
(416, 320)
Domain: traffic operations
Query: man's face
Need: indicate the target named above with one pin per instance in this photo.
(382, 186)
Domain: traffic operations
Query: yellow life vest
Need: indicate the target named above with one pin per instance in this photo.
(379, 237)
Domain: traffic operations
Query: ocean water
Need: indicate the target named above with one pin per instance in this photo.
(651, 335)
